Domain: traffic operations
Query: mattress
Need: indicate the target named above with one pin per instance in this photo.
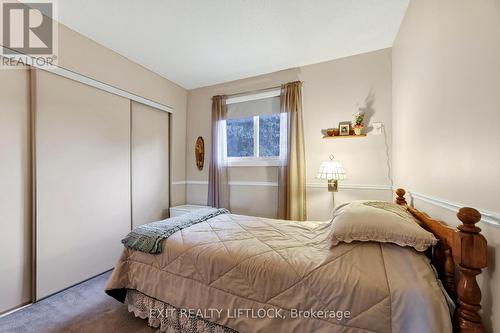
(254, 274)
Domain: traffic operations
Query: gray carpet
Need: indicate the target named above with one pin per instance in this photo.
(82, 308)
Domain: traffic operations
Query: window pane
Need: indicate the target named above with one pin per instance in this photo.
(239, 137)
(269, 135)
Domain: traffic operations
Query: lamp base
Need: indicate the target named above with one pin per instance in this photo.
(333, 185)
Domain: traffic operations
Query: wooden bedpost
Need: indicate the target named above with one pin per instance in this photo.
(400, 199)
(473, 251)
(463, 248)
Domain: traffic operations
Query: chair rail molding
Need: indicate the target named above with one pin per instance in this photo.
(343, 186)
(275, 184)
(488, 217)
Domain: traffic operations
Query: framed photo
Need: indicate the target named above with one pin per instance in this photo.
(344, 128)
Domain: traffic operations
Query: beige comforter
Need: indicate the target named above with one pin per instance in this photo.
(232, 266)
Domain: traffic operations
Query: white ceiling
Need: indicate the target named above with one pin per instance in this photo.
(197, 43)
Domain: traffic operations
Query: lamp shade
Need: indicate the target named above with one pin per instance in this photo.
(331, 170)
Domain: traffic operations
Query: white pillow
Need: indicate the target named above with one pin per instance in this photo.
(378, 221)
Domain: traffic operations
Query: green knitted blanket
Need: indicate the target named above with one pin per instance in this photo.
(149, 237)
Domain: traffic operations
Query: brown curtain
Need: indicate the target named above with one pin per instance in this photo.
(292, 172)
(218, 187)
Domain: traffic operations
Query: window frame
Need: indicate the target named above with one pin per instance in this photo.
(256, 160)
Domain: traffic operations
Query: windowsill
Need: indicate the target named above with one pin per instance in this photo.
(254, 162)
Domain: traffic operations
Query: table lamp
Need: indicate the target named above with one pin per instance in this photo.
(333, 171)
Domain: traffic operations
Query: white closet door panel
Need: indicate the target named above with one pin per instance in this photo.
(15, 195)
(150, 164)
(83, 181)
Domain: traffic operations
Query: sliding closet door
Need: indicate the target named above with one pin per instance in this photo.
(82, 181)
(15, 196)
(150, 164)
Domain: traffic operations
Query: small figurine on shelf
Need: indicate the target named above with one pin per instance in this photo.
(358, 122)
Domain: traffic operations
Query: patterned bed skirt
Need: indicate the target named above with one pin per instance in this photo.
(167, 318)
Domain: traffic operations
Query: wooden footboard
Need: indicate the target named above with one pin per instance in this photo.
(462, 250)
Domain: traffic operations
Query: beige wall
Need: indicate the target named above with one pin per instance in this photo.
(332, 92)
(446, 114)
(84, 56)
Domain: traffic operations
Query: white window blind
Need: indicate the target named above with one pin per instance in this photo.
(253, 105)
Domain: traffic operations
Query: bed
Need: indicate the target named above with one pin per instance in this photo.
(249, 274)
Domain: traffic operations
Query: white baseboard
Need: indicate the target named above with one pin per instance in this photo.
(15, 310)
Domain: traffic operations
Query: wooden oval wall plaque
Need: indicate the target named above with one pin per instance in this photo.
(199, 152)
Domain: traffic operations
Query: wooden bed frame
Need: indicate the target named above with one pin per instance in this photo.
(462, 250)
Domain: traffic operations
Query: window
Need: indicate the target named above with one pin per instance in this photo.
(244, 135)
(269, 135)
(254, 133)
(240, 137)
(256, 141)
